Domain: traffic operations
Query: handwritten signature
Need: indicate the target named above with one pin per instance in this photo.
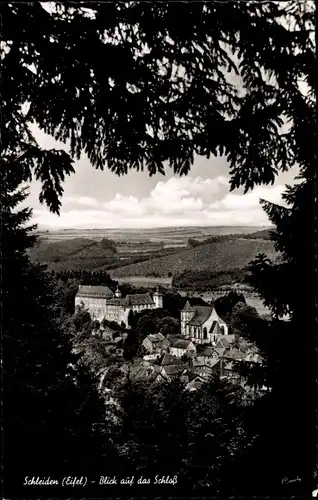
(286, 480)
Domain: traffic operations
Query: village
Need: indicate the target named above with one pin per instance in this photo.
(203, 348)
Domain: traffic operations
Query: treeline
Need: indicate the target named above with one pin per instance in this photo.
(264, 234)
(93, 255)
(204, 280)
(85, 277)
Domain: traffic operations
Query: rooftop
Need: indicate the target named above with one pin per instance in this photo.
(201, 314)
(94, 291)
(182, 343)
(138, 299)
(158, 337)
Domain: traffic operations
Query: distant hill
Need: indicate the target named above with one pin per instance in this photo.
(77, 253)
(223, 254)
(214, 260)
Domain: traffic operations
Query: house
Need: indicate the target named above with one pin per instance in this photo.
(183, 347)
(195, 382)
(202, 324)
(94, 299)
(169, 359)
(107, 333)
(234, 354)
(206, 367)
(254, 358)
(155, 374)
(174, 371)
(224, 341)
(229, 371)
(151, 357)
(153, 342)
(209, 352)
(118, 308)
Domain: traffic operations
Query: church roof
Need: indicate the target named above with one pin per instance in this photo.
(94, 291)
(201, 314)
(187, 307)
(215, 328)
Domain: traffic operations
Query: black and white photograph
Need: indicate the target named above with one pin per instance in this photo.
(158, 286)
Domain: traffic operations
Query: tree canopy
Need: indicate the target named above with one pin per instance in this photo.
(137, 86)
(134, 88)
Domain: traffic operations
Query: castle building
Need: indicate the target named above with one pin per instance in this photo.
(202, 324)
(102, 303)
(94, 299)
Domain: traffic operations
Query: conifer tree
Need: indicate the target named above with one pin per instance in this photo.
(50, 402)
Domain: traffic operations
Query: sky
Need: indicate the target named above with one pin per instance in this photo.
(100, 199)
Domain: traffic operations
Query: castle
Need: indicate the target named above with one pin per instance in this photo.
(102, 303)
(202, 324)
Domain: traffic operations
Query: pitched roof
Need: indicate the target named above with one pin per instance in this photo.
(222, 344)
(216, 329)
(138, 299)
(181, 343)
(225, 341)
(94, 291)
(172, 338)
(201, 314)
(234, 353)
(157, 337)
(199, 361)
(208, 351)
(174, 369)
(254, 358)
(168, 359)
(193, 376)
(187, 307)
(220, 351)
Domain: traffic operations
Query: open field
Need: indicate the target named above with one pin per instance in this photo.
(187, 257)
(177, 235)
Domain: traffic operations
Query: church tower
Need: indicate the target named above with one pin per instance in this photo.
(186, 315)
(158, 299)
(118, 293)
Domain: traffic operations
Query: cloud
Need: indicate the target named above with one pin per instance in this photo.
(175, 202)
(85, 201)
(232, 201)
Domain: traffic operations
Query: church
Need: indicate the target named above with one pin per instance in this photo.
(202, 324)
(102, 303)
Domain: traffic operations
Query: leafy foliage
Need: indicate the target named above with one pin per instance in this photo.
(195, 435)
(225, 305)
(170, 78)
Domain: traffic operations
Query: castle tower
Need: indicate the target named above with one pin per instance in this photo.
(118, 293)
(158, 299)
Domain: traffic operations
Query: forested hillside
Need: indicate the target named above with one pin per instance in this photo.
(221, 255)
